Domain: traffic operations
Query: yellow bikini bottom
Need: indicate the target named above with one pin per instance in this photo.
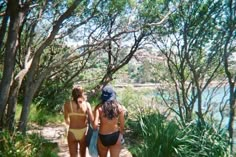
(78, 133)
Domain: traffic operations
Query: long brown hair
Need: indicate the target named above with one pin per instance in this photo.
(77, 92)
(110, 109)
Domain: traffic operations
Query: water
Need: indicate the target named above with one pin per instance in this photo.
(213, 98)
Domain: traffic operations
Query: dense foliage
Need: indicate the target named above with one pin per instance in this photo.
(19, 145)
(161, 137)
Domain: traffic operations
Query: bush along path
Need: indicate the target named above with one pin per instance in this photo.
(56, 134)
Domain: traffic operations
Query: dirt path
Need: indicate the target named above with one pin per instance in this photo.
(57, 134)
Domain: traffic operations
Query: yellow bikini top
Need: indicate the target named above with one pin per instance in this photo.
(72, 113)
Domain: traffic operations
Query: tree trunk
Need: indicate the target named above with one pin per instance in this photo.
(231, 115)
(13, 96)
(10, 54)
(12, 101)
(32, 82)
(28, 97)
(30, 89)
(3, 28)
(11, 109)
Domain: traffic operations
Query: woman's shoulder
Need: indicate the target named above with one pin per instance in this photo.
(122, 108)
(98, 107)
(67, 102)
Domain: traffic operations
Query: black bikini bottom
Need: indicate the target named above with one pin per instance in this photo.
(109, 139)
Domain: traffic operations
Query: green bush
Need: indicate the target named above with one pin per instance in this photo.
(134, 101)
(19, 145)
(52, 96)
(43, 116)
(205, 141)
(155, 136)
(159, 137)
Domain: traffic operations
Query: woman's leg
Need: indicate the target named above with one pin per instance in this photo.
(102, 150)
(72, 144)
(82, 147)
(115, 149)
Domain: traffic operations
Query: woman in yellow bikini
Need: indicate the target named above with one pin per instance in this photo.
(110, 114)
(76, 112)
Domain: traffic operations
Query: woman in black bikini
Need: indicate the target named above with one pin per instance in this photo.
(110, 114)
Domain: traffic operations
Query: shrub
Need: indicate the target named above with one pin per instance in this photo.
(204, 141)
(52, 96)
(157, 137)
(134, 101)
(19, 145)
(43, 116)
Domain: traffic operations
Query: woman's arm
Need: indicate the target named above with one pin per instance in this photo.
(90, 113)
(122, 120)
(96, 118)
(66, 116)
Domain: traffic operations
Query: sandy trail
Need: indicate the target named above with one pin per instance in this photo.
(57, 134)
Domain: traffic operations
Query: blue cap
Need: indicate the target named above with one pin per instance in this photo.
(108, 94)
